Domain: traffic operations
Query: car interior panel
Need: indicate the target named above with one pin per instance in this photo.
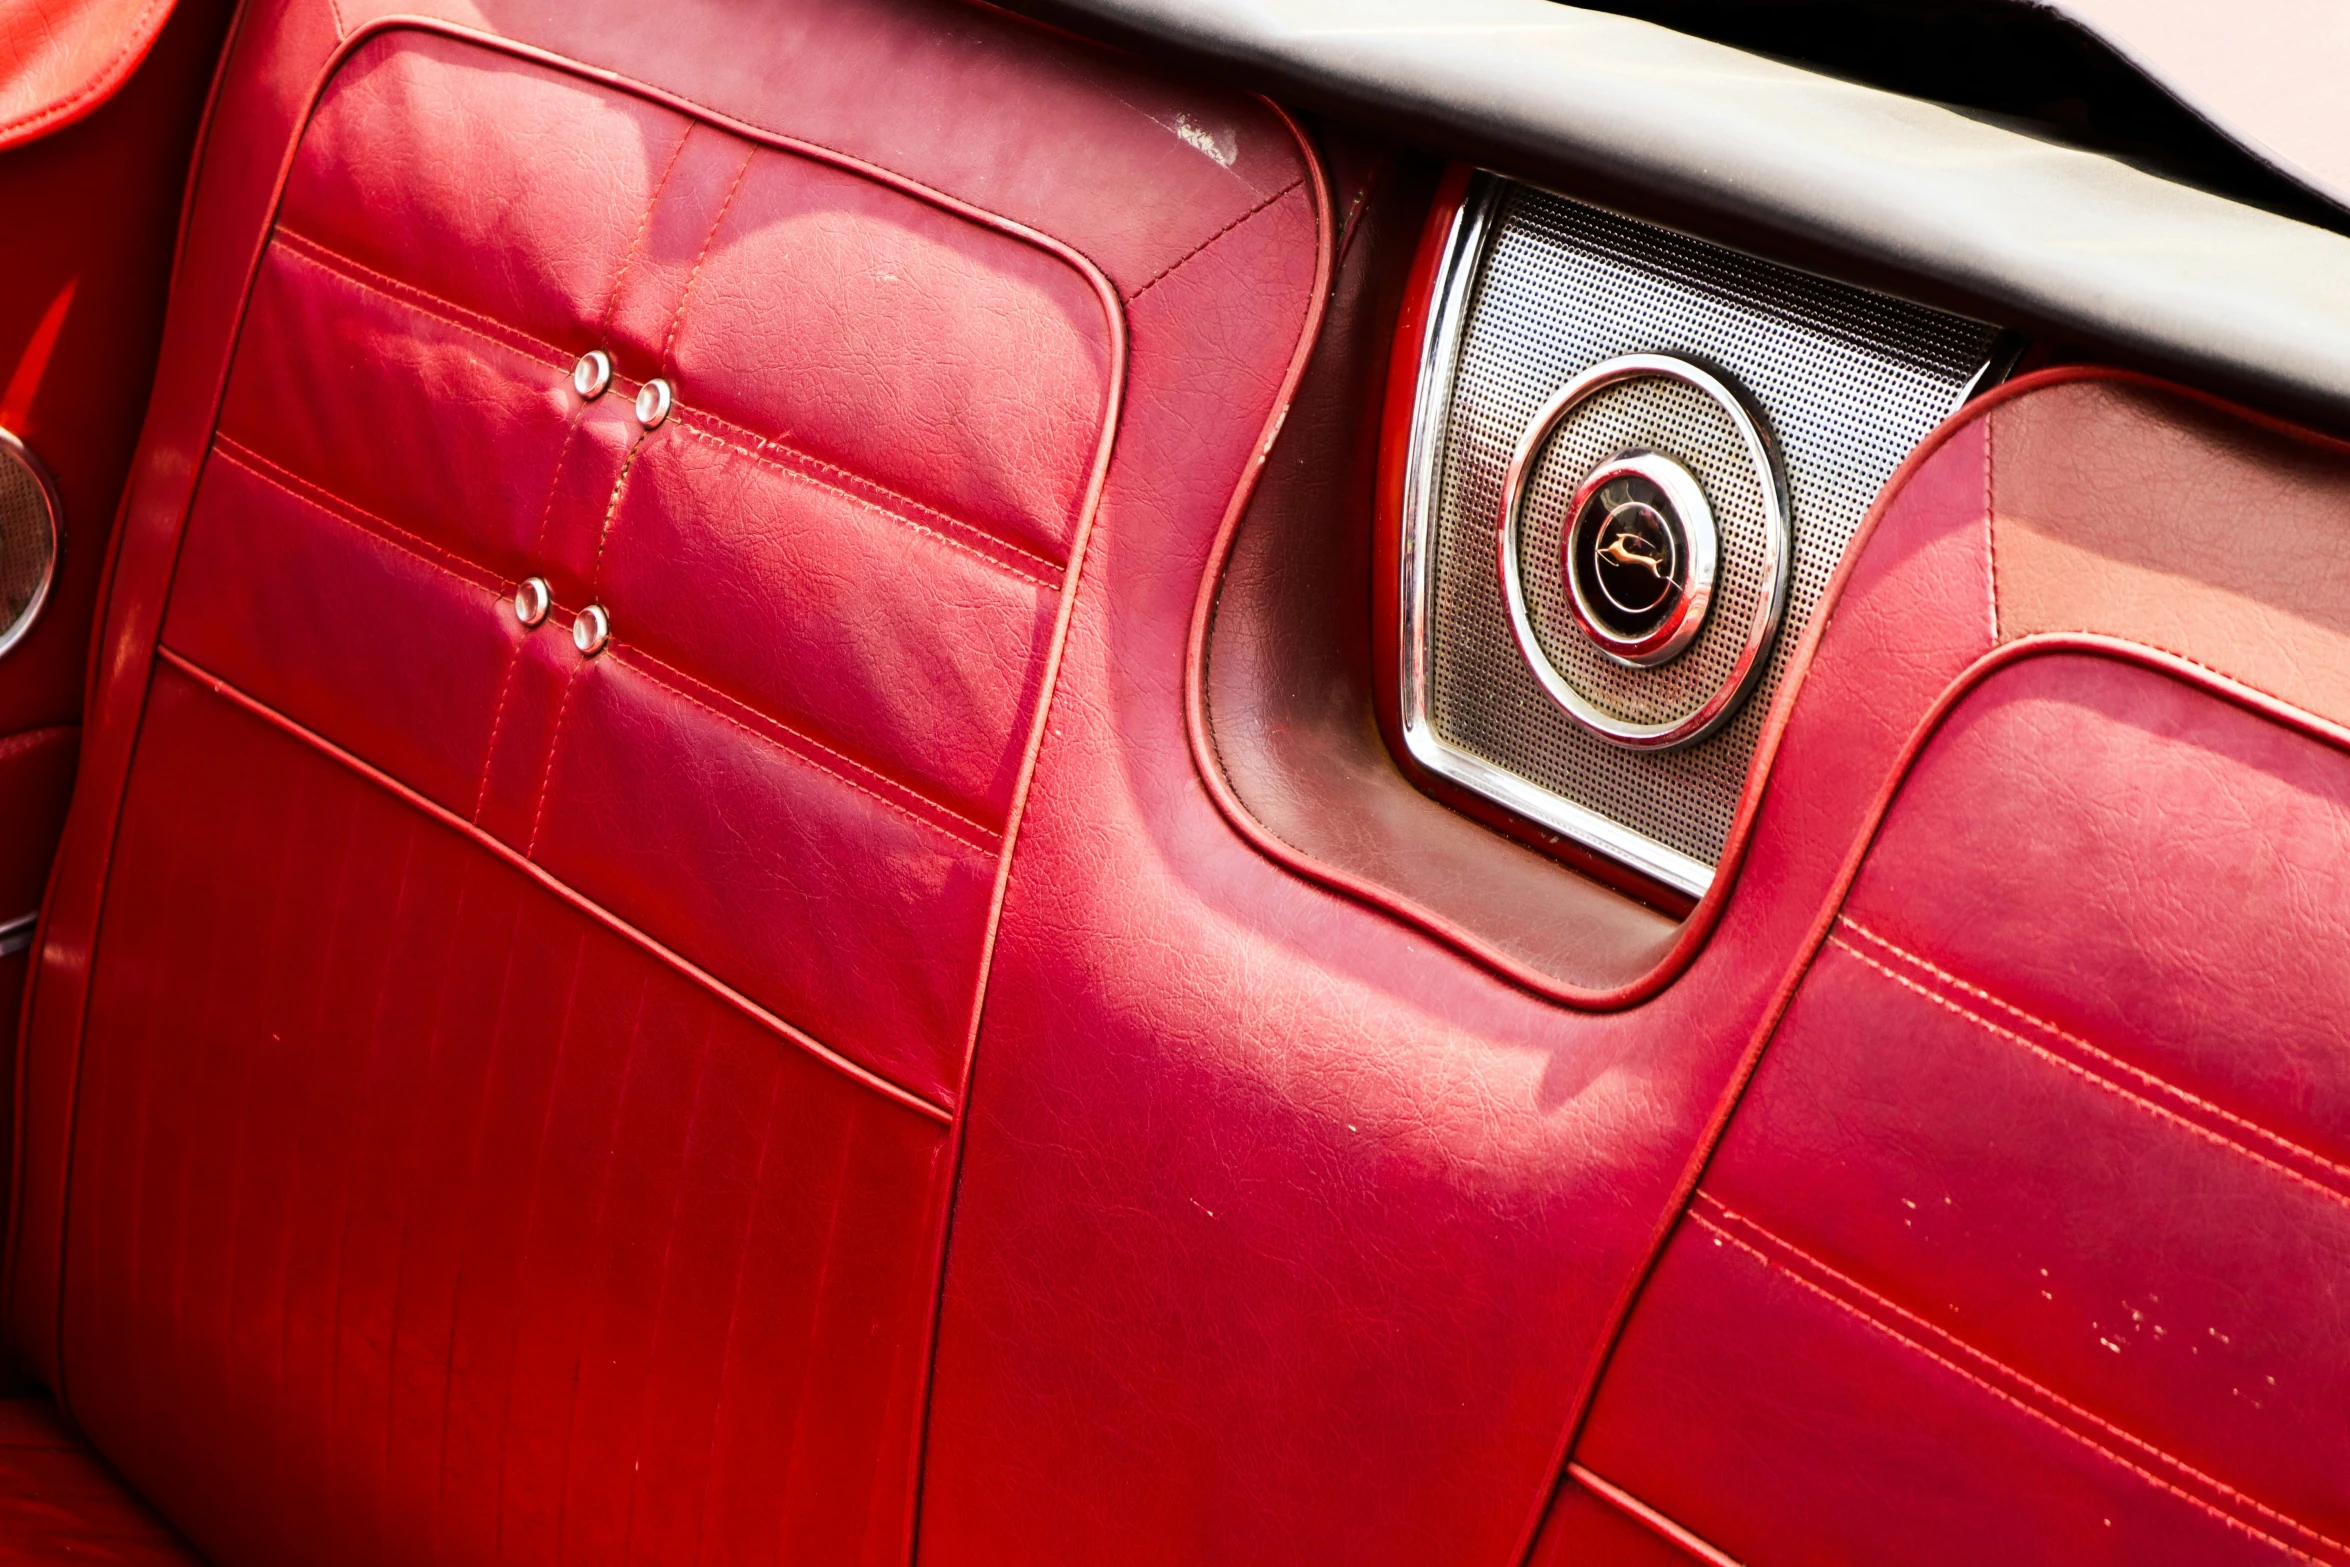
(914, 781)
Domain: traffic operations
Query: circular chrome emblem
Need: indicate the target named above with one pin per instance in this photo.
(1638, 561)
(1638, 557)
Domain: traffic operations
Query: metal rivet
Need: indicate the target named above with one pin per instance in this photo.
(532, 600)
(652, 404)
(591, 631)
(592, 374)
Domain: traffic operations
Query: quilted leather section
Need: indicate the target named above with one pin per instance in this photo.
(450, 1221)
(832, 573)
(2028, 1240)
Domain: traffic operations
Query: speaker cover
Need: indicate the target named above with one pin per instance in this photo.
(1563, 339)
(29, 519)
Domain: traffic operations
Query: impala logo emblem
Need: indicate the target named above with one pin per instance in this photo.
(1624, 550)
(1637, 557)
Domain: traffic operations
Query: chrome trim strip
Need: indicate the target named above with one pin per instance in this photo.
(1431, 406)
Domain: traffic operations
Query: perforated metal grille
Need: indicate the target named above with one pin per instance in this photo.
(28, 541)
(1849, 382)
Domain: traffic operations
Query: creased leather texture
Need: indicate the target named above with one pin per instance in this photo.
(59, 1504)
(61, 59)
(2028, 1239)
(832, 574)
(489, 1103)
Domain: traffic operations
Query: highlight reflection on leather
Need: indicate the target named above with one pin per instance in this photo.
(833, 574)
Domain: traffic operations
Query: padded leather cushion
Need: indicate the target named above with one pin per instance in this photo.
(504, 1107)
(2027, 1240)
(60, 1503)
(832, 575)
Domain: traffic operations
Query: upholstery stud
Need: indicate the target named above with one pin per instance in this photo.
(532, 600)
(591, 630)
(653, 403)
(592, 374)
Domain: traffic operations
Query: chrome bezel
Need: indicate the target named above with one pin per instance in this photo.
(1770, 599)
(1440, 345)
(15, 634)
(1699, 539)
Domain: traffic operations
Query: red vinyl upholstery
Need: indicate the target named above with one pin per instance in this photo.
(2026, 1242)
(487, 1101)
(58, 1503)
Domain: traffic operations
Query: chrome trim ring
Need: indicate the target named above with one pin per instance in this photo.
(1770, 600)
(14, 449)
(1690, 533)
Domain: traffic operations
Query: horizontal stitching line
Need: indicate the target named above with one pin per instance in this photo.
(651, 668)
(2041, 1415)
(2111, 1087)
(2143, 1075)
(399, 538)
(755, 440)
(854, 499)
(461, 319)
(400, 291)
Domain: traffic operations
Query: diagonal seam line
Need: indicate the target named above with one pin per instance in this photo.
(423, 301)
(1052, 583)
(1960, 1345)
(506, 854)
(653, 669)
(756, 444)
(2125, 1094)
(1161, 275)
(316, 496)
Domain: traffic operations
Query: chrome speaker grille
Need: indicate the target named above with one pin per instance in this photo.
(1536, 290)
(28, 539)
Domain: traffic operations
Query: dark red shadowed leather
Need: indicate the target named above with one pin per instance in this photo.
(59, 1503)
(543, 1065)
(2025, 1239)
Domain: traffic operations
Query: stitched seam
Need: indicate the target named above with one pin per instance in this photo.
(2116, 1089)
(538, 539)
(879, 510)
(717, 221)
(755, 444)
(2266, 1134)
(97, 85)
(366, 521)
(643, 224)
(1159, 276)
(547, 772)
(1991, 525)
(334, 9)
(627, 930)
(422, 301)
(612, 510)
(649, 666)
(2042, 1415)
(481, 798)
